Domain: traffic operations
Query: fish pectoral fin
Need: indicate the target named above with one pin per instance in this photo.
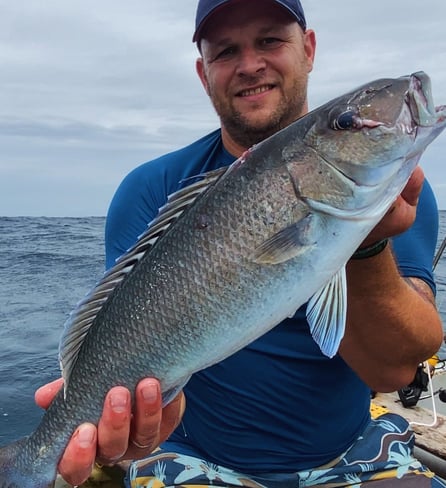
(286, 244)
(327, 314)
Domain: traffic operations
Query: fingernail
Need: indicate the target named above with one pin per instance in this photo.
(118, 402)
(85, 436)
(150, 391)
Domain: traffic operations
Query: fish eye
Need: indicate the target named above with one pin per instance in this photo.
(344, 121)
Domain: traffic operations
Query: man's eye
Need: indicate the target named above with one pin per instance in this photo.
(229, 51)
(270, 41)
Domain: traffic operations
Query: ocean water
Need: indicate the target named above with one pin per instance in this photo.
(46, 266)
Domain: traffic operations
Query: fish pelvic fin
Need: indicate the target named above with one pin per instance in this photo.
(16, 471)
(327, 314)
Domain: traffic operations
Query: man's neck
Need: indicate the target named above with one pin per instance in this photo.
(231, 146)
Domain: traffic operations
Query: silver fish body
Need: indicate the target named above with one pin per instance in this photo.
(235, 253)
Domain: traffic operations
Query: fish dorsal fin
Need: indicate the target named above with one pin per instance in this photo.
(82, 317)
(327, 314)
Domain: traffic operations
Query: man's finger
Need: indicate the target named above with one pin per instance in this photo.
(172, 415)
(77, 462)
(114, 425)
(46, 393)
(147, 415)
(412, 191)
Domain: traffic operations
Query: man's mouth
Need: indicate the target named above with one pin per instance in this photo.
(255, 91)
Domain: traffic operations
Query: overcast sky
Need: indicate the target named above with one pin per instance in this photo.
(89, 90)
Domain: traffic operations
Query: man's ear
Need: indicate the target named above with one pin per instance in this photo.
(199, 66)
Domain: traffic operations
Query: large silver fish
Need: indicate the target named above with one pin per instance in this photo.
(234, 254)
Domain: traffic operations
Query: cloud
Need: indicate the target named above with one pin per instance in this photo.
(90, 90)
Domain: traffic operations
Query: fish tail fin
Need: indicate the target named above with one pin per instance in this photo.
(16, 472)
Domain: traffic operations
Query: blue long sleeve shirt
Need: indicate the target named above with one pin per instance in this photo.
(278, 405)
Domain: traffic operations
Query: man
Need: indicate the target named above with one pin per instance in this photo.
(277, 411)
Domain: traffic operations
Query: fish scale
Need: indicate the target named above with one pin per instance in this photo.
(232, 255)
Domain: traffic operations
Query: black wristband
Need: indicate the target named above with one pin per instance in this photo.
(373, 250)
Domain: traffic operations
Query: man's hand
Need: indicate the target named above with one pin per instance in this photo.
(121, 433)
(402, 213)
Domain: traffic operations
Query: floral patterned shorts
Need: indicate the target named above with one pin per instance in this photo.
(381, 457)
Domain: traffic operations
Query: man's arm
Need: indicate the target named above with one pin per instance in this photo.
(392, 326)
(392, 322)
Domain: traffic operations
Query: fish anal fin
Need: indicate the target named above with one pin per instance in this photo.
(327, 314)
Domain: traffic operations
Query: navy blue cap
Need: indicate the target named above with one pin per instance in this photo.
(206, 7)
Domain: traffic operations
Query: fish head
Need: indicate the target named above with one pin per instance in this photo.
(378, 130)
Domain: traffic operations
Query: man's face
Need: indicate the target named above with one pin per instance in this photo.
(254, 66)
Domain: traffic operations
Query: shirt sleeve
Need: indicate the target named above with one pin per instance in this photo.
(146, 189)
(134, 205)
(415, 248)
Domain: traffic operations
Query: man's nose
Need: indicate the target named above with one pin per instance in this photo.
(250, 62)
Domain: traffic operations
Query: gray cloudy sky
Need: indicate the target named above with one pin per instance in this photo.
(88, 90)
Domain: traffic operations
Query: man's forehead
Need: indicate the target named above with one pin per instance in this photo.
(243, 12)
(224, 23)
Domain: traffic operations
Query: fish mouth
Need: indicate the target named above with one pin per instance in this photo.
(420, 118)
(420, 102)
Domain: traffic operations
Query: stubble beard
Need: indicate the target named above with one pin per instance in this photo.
(246, 133)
